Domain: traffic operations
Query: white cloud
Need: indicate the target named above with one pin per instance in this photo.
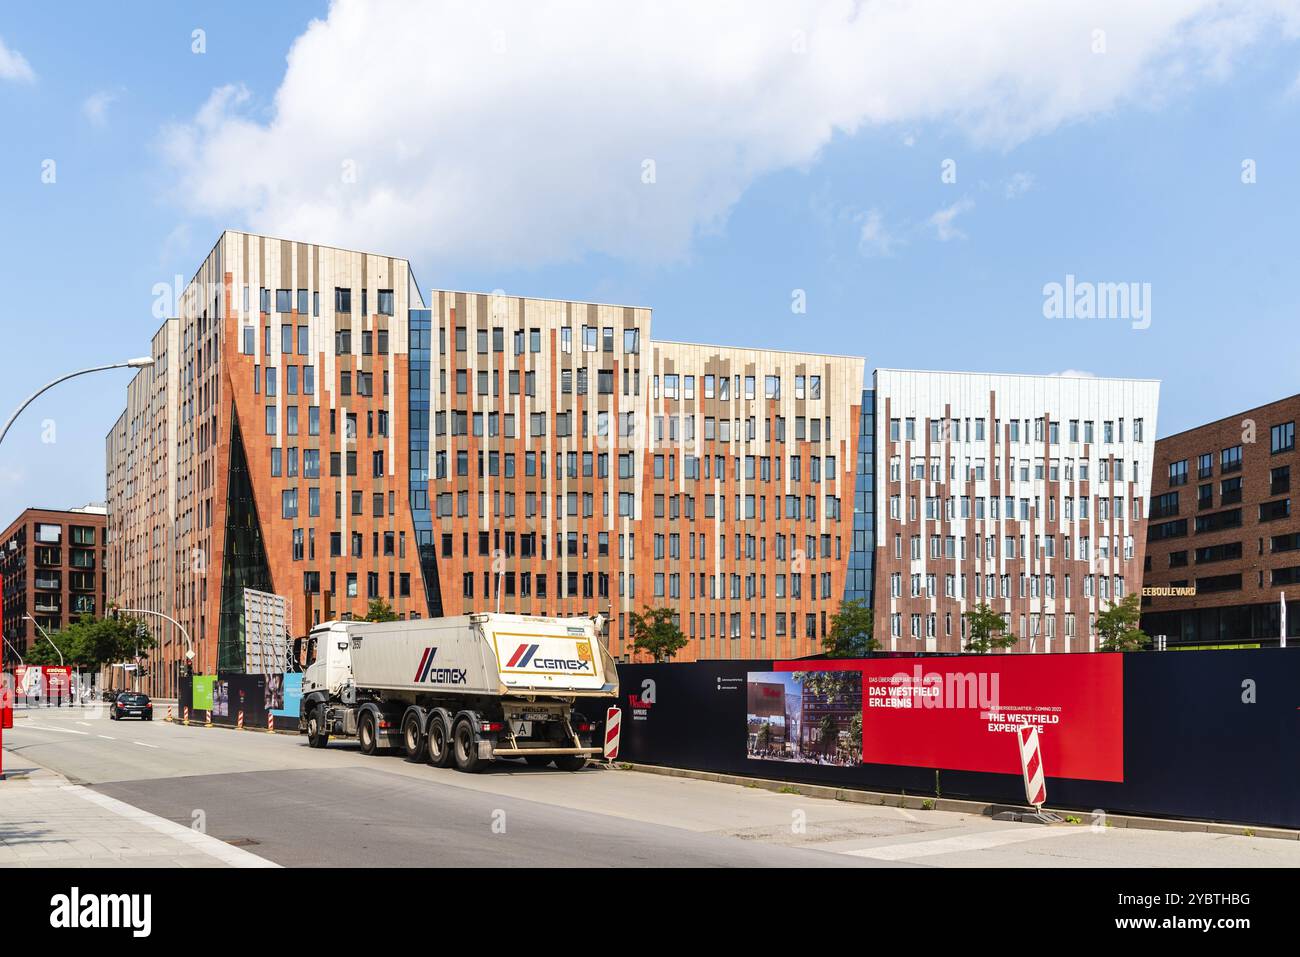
(1017, 185)
(942, 221)
(14, 66)
(518, 133)
(874, 239)
(95, 107)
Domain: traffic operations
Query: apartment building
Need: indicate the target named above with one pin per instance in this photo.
(1224, 541)
(52, 571)
(1028, 493)
(316, 427)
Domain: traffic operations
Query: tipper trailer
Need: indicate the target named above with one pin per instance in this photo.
(465, 690)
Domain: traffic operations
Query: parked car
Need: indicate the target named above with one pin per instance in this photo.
(130, 704)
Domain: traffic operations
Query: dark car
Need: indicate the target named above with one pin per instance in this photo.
(130, 704)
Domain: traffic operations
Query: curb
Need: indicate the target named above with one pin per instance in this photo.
(982, 808)
(228, 727)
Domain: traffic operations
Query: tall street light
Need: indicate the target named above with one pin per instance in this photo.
(140, 363)
(47, 637)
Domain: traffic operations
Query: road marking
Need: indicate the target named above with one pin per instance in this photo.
(85, 724)
(206, 844)
(143, 745)
(41, 727)
(108, 737)
(964, 842)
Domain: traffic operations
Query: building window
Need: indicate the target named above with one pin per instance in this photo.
(1178, 472)
(1282, 437)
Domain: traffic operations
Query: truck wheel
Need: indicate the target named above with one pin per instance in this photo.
(437, 745)
(464, 748)
(412, 737)
(571, 762)
(317, 736)
(366, 733)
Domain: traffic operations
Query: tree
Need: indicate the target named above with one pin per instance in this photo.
(988, 632)
(850, 634)
(764, 737)
(657, 633)
(380, 610)
(1117, 626)
(828, 735)
(91, 642)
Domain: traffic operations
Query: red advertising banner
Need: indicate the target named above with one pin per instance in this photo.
(43, 681)
(962, 713)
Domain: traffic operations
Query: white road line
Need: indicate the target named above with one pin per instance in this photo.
(85, 724)
(964, 842)
(108, 737)
(233, 856)
(143, 745)
(41, 727)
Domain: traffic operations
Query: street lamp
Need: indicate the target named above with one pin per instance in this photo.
(16, 652)
(139, 363)
(47, 637)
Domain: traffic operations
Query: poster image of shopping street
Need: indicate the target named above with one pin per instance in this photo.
(808, 717)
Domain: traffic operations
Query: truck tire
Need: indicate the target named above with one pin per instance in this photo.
(412, 737)
(464, 748)
(571, 762)
(366, 735)
(317, 735)
(438, 742)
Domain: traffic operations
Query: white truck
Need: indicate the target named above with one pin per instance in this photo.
(465, 690)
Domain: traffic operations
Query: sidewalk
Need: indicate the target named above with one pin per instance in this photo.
(47, 822)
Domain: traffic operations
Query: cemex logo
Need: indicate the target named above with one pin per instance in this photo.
(524, 655)
(76, 910)
(438, 676)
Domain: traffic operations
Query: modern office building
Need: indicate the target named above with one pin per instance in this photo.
(315, 426)
(1028, 493)
(52, 567)
(1223, 540)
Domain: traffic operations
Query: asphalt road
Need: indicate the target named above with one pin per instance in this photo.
(275, 797)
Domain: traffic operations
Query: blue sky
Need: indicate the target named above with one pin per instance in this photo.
(771, 176)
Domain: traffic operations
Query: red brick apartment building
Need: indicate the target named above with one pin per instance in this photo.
(52, 568)
(1223, 542)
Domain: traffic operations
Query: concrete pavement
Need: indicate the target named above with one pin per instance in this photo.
(47, 822)
(299, 806)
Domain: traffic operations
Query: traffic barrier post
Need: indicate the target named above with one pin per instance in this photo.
(1031, 764)
(613, 729)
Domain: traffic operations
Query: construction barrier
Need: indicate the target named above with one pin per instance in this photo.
(1206, 734)
(186, 721)
(207, 719)
(270, 723)
(239, 723)
(613, 728)
(1031, 765)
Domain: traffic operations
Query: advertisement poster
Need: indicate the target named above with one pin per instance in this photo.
(29, 681)
(962, 713)
(201, 695)
(804, 717)
(221, 699)
(291, 695)
(58, 681)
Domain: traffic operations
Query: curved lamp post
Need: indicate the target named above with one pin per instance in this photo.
(140, 363)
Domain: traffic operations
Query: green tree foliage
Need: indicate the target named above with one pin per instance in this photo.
(380, 610)
(850, 634)
(986, 631)
(1117, 626)
(90, 642)
(657, 633)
